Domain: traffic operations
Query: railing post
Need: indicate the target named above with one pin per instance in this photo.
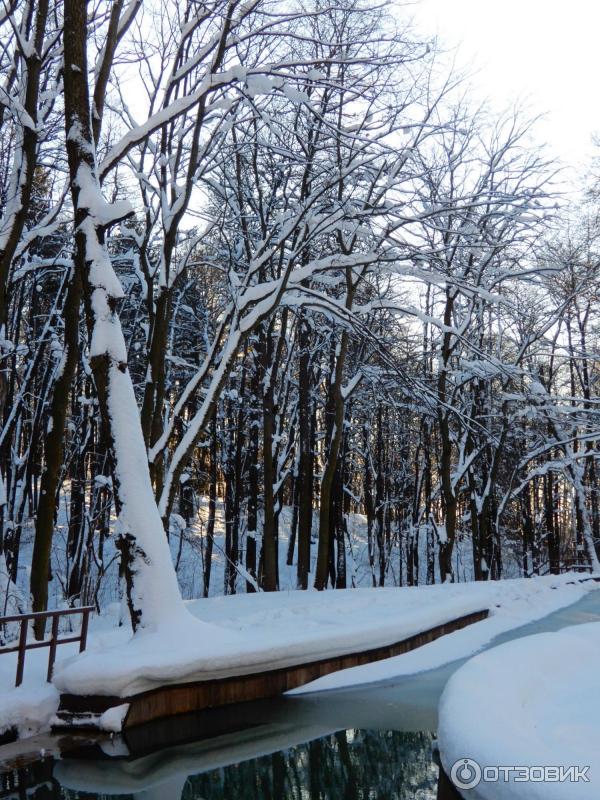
(53, 643)
(22, 646)
(84, 630)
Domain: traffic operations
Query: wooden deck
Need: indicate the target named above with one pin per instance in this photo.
(167, 701)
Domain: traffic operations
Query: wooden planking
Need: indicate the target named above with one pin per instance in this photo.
(179, 699)
(168, 701)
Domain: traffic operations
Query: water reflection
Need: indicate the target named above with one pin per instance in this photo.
(345, 765)
(351, 764)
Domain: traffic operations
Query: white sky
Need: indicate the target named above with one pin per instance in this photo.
(544, 51)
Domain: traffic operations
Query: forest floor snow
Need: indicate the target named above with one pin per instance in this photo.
(252, 632)
(541, 711)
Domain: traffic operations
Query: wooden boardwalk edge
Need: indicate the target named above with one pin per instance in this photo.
(168, 701)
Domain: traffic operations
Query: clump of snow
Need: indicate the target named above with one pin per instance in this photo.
(112, 719)
(261, 84)
(28, 708)
(151, 658)
(529, 702)
(102, 212)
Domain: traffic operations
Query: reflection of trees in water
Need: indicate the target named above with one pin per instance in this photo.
(348, 765)
(32, 781)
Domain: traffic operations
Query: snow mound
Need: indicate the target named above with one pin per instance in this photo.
(28, 708)
(532, 702)
(149, 659)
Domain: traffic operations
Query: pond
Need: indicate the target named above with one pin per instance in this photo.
(358, 743)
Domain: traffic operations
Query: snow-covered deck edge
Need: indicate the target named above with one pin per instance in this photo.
(112, 713)
(253, 633)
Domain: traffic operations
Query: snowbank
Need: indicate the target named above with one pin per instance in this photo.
(28, 708)
(512, 604)
(251, 633)
(532, 702)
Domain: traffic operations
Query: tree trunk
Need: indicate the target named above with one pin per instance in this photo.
(212, 507)
(54, 451)
(305, 465)
(153, 595)
(337, 412)
(269, 538)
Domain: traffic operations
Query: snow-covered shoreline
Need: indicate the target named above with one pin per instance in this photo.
(252, 632)
(542, 709)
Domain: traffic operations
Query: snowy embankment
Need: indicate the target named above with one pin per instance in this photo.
(247, 633)
(529, 703)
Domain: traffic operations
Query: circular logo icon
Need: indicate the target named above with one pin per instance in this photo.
(465, 773)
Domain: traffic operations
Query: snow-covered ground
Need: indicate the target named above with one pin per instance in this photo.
(252, 632)
(532, 702)
(191, 557)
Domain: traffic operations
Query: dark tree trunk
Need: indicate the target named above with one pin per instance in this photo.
(212, 507)
(304, 488)
(269, 539)
(253, 487)
(54, 451)
(336, 415)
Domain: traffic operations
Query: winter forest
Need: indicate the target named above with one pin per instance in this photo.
(281, 307)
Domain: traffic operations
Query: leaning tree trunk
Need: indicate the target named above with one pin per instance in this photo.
(153, 595)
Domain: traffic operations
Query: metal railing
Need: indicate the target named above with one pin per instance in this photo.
(53, 642)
